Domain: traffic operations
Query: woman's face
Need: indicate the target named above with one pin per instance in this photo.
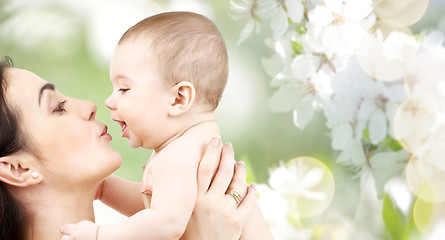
(74, 147)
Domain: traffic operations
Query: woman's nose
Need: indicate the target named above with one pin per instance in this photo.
(87, 110)
(93, 111)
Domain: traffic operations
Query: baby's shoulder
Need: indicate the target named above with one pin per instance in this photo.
(204, 131)
(200, 135)
(194, 139)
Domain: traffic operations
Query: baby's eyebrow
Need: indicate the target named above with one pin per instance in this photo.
(47, 86)
(122, 77)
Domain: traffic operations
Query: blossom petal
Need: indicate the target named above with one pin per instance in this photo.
(387, 26)
(353, 154)
(356, 10)
(335, 6)
(272, 205)
(384, 165)
(314, 195)
(295, 10)
(279, 23)
(303, 114)
(303, 66)
(320, 16)
(285, 99)
(247, 31)
(374, 61)
(433, 40)
(279, 177)
(406, 12)
(322, 83)
(312, 178)
(341, 135)
(378, 126)
(273, 65)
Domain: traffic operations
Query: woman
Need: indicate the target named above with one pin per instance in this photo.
(54, 155)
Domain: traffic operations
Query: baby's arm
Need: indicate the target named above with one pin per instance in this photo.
(122, 195)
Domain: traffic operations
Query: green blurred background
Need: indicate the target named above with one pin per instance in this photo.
(70, 43)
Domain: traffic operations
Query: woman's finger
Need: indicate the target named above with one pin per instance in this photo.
(66, 237)
(209, 164)
(247, 204)
(224, 174)
(238, 186)
(66, 229)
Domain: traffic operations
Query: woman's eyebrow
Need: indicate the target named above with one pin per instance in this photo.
(47, 86)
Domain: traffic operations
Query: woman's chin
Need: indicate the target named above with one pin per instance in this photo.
(114, 163)
(118, 162)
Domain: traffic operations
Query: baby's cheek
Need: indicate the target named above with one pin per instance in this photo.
(127, 110)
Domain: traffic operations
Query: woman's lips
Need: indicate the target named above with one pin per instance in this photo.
(105, 133)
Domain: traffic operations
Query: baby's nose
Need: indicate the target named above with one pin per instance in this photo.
(109, 102)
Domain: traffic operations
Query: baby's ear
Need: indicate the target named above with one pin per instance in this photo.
(182, 97)
(17, 170)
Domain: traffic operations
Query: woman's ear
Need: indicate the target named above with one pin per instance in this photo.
(16, 170)
(181, 99)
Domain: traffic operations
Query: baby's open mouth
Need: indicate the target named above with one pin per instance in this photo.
(123, 126)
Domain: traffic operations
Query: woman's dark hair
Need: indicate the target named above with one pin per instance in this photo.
(12, 213)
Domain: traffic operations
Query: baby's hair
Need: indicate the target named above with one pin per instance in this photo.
(188, 47)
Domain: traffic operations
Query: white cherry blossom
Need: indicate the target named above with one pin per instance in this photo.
(414, 120)
(255, 11)
(426, 72)
(276, 210)
(396, 15)
(425, 176)
(387, 59)
(295, 180)
(305, 183)
(339, 25)
(381, 91)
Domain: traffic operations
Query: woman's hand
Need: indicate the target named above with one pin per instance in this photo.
(83, 230)
(217, 214)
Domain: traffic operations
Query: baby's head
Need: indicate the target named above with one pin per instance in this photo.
(164, 66)
(186, 47)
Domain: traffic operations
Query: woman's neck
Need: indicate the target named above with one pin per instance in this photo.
(49, 210)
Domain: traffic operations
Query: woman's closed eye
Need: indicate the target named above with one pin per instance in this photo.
(60, 107)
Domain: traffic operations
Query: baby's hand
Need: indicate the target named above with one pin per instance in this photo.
(83, 230)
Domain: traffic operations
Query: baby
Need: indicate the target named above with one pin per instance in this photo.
(168, 73)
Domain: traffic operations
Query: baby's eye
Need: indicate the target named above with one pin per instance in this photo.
(123, 90)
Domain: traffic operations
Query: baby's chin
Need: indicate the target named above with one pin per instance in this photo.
(134, 142)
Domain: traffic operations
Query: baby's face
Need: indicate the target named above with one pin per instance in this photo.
(139, 99)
